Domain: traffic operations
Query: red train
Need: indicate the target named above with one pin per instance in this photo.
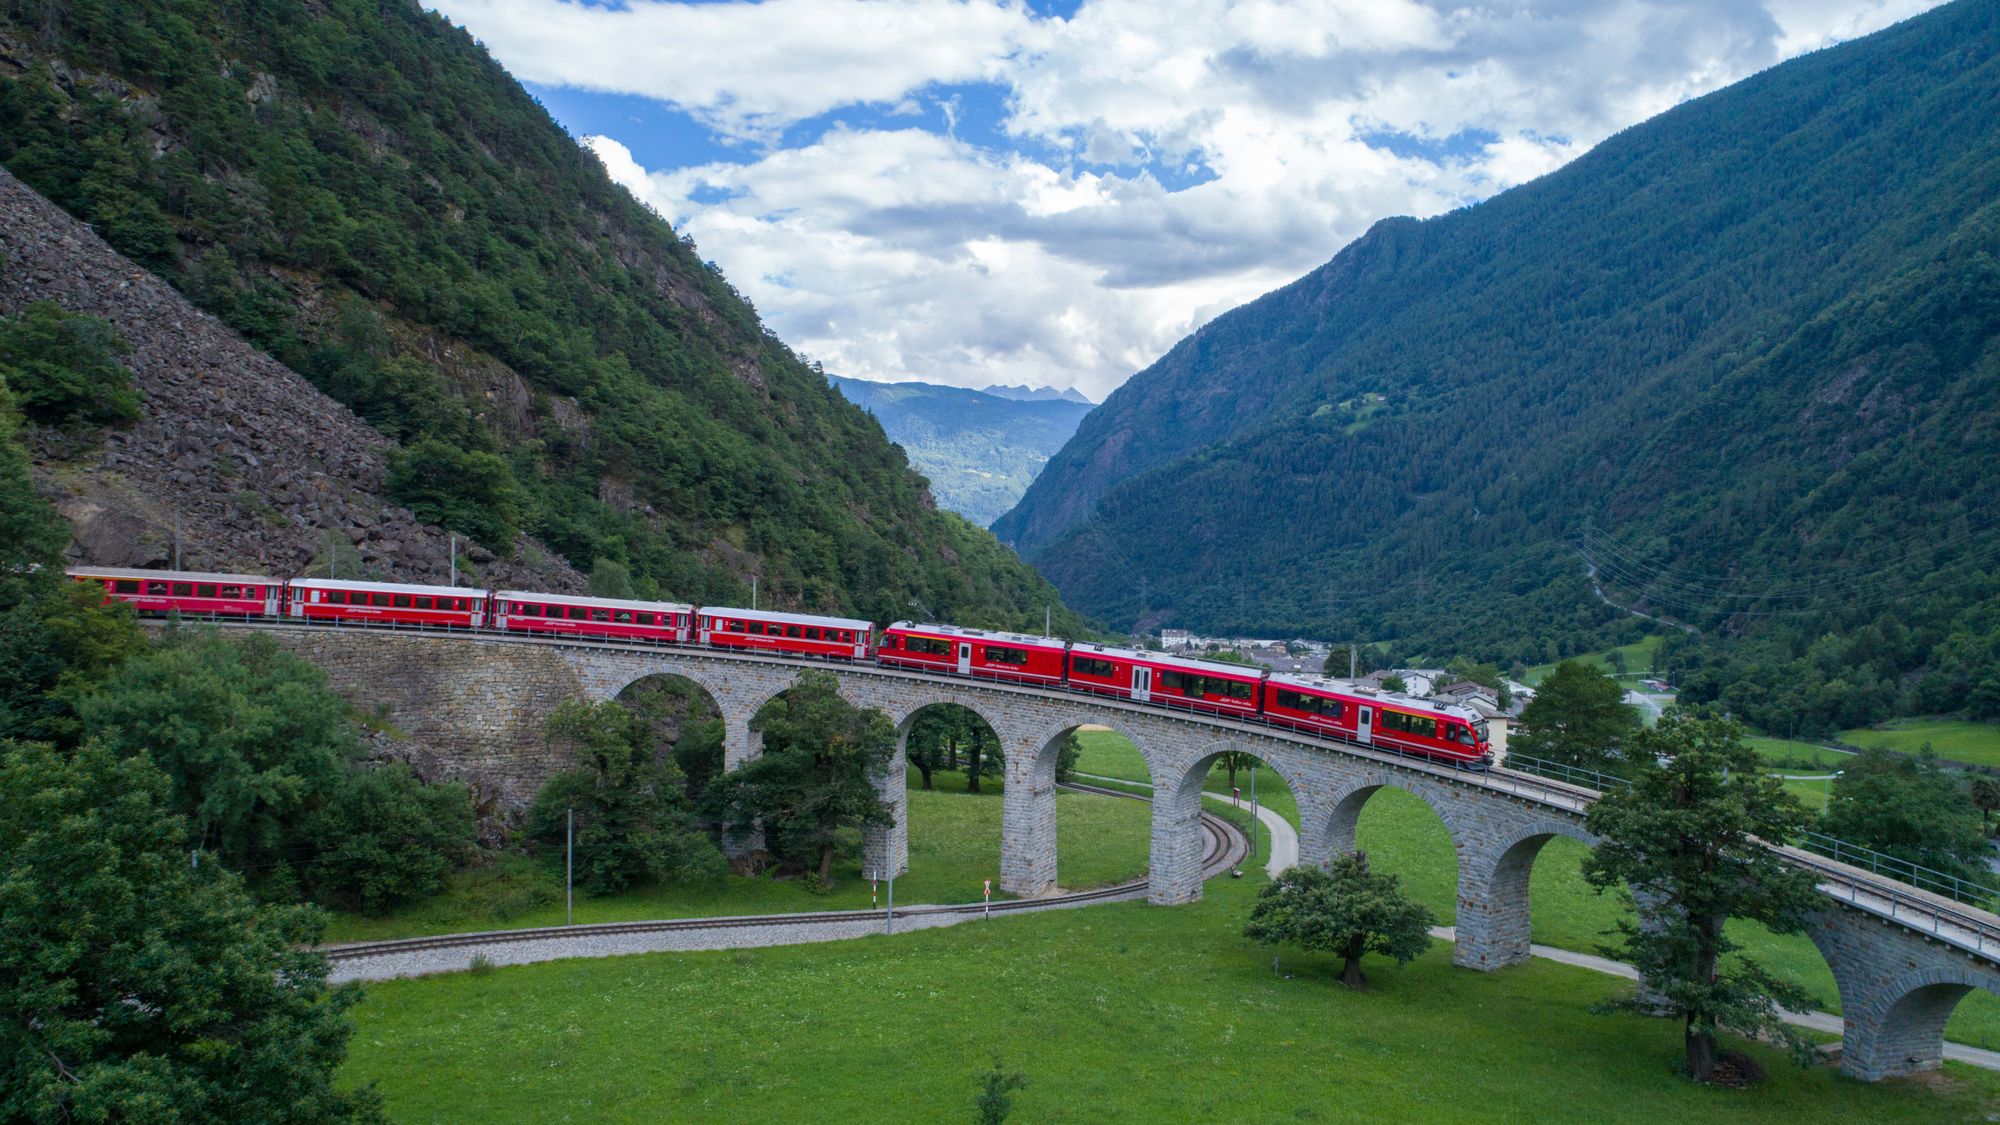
(1313, 704)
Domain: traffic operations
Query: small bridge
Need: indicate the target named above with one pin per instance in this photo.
(1902, 958)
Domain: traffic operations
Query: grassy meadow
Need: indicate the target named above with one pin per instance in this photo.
(1113, 1013)
(1976, 744)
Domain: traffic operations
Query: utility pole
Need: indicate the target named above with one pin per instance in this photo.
(753, 591)
(1048, 614)
(177, 540)
(889, 919)
(569, 867)
(1350, 660)
(454, 560)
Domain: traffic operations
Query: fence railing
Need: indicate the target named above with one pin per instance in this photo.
(1972, 892)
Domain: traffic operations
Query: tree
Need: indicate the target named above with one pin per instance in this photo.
(1394, 683)
(996, 1093)
(1909, 807)
(1067, 756)
(950, 737)
(469, 491)
(64, 369)
(1347, 910)
(387, 838)
(1578, 717)
(610, 578)
(250, 737)
(632, 818)
(1984, 790)
(1686, 836)
(135, 985)
(1233, 760)
(816, 775)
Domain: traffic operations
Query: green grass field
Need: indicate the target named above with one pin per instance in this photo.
(1781, 752)
(1975, 744)
(1401, 834)
(1638, 658)
(954, 844)
(1122, 1013)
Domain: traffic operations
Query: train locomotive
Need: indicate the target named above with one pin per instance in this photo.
(1316, 705)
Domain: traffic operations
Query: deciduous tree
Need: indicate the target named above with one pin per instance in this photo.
(1578, 717)
(816, 775)
(1348, 911)
(632, 816)
(137, 986)
(1909, 807)
(1686, 835)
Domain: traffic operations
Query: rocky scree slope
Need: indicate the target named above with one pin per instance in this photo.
(258, 470)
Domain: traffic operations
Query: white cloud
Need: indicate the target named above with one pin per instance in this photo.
(901, 251)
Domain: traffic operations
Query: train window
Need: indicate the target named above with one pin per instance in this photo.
(813, 634)
(622, 616)
(156, 589)
(233, 592)
(890, 641)
(997, 655)
(1091, 666)
(792, 631)
(1410, 724)
(400, 601)
(205, 590)
(184, 589)
(1234, 689)
(928, 646)
(600, 615)
(1310, 704)
(128, 586)
(1181, 682)
(578, 613)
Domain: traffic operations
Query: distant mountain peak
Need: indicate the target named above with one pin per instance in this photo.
(1025, 393)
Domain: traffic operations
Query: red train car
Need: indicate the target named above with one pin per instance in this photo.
(325, 599)
(163, 591)
(763, 630)
(518, 611)
(1389, 720)
(973, 652)
(1150, 677)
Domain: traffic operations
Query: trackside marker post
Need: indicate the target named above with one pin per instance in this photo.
(989, 898)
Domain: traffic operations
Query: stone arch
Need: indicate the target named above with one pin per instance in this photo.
(1343, 813)
(1495, 922)
(692, 671)
(1178, 846)
(1028, 853)
(1910, 1013)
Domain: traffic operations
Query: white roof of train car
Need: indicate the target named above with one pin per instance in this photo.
(599, 603)
(1206, 667)
(386, 587)
(171, 575)
(788, 618)
(1397, 698)
(980, 634)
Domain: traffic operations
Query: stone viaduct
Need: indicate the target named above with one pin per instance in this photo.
(1901, 959)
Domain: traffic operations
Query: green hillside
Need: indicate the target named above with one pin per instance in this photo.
(1741, 359)
(364, 193)
(979, 450)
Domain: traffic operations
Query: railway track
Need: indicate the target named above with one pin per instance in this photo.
(1226, 847)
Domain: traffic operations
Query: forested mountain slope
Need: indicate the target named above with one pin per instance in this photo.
(360, 190)
(980, 449)
(1742, 358)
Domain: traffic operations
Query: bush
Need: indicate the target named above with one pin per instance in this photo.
(64, 369)
(465, 490)
(388, 838)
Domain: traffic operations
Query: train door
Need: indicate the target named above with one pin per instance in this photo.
(1364, 726)
(965, 658)
(1142, 684)
(478, 612)
(500, 610)
(271, 600)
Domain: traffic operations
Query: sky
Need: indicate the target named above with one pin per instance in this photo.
(1054, 192)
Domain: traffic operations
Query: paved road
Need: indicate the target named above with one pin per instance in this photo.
(1284, 838)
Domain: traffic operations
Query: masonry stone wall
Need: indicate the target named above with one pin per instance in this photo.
(476, 707)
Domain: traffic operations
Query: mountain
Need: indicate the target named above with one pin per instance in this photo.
(1025, 393)
(1741, 362)
(979, 449)
(362, 193)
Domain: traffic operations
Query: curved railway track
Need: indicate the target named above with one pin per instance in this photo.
(1226, 847)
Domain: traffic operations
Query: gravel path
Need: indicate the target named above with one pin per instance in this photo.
(387, 960)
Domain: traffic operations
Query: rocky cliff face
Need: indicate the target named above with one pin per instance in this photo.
(237, 458)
